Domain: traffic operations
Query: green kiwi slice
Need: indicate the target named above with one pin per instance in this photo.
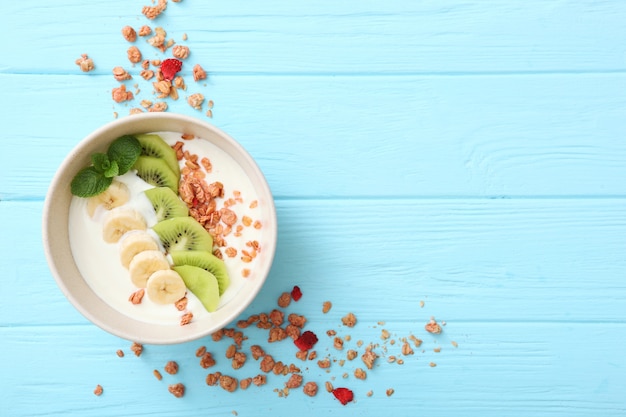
(183, 234)
(155, 171)
(202, 284)
(154, 145)
(166, 203)
(205, 260)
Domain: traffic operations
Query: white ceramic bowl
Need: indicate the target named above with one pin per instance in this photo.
(56, 236)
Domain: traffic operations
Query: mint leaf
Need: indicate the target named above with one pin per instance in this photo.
(89, 182)
(100, 161)
(124, 150)
(112, 171)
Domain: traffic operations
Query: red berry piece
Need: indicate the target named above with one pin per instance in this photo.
(296, 294)
(170, 67)
(306, 340)
(344, 395)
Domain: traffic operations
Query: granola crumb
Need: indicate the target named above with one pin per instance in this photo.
(310, 388)
(228, 383)
(326, 307)
(295, 381)
(120, 353)
(349, 320)
(171, 368)
(455, 344)
(98, 390)
(186, 318)
(120, 94)
(145, 30)
(85, 63)
(359, 373)
(152, 12)
(390, 392)
(433, 327)
(120, 74)
(137, 348)
(369, 393)
(134, 54)
(329, 386)
(129, 33)
(196, 100)
(177, 390)
(432, 364)
(180, 52)
(284, 300)
(369, 357)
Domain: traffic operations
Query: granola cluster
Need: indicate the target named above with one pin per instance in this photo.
(241, 366)
(163, 88)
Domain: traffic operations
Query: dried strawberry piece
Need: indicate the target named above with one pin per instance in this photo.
(344, 395)
(170, 67)
(306, 340)
(296, 294)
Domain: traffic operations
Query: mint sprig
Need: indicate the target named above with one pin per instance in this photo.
(119, 159)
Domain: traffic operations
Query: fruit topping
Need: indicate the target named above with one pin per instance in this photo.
(183, 234)
(166, 203)
(119, 221)
(205, 260)
(296, 294)
(306, 340)
(202, 284)
(344, 395)
(170, 67)
(165, 287)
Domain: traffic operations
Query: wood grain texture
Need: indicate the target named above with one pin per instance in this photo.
(467, 155)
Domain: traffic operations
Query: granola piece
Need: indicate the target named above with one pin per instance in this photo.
(359, 373)
(198, 73)
(120, 94)
(390, 392)
(433, 326)
(136, 348)
(181, 304)
(310, 389)
(145, 30)
(329, 386)
(129, 33)
(200, 351)
(432, 364)
(162, 88)
(85, 63)
(331, 332)
(228, 383)
(196, 100)
(147, 74)
(157, 374)
(213, 379)
(455, 344)
(349, 320)
(135, 110)
(137, 296)
(302, 354)
(257, 352)
(312, 355)
(384, 334)
(245, 383)
(180, 51)
(98, 390)
(120, 353)
(158, 107)
(296, 320)
(338, 343)
(277, 334)
(369, 357)
(284, 300)
(351, 354)
(292, 331)
(294, 381)
(406, 349)
(230, 351)
(324, 363)
(239, 360)
(186, 318)
(152, 12)
(171, 368)
(277, 317)
(134, 54)
(259, 380)
(228, 216)
(179, 82)
(326, 307)
(120, 74)
(177, 390)
(417, 342)
(267, 363)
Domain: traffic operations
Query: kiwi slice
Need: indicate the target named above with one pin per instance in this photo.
(202, 284)
(166, 203)
(154, 145)
(155, 171)
(183, 234)
(205, 260)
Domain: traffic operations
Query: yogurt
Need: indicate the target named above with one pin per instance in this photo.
(99, 261)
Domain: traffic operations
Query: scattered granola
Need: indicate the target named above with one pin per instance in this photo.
(177, 390)
(85, 63)
(137, 348)
(349, 320)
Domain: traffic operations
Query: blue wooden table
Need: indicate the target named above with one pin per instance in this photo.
(463, 160)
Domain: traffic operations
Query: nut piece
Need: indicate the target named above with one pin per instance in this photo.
(134, 54)
(177, 390)
(99, 390)
(171, 368)
(326, 307)
(85, 63)
(137, 296)
(180, 51)
(310, 389)
(129, 33)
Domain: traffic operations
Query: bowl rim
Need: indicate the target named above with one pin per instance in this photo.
(135, 330)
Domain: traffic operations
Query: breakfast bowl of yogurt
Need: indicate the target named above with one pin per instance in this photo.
(159, 228)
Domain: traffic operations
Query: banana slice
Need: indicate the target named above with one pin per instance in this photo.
(119, 221)
(133, 243)
(144, 264)
(114, 196)
(166, 287)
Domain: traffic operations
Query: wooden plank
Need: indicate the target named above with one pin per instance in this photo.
(353, 37)
(523, 368)
(470, 260)
(508, 136)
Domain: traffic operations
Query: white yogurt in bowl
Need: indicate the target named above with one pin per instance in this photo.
(88, 269)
